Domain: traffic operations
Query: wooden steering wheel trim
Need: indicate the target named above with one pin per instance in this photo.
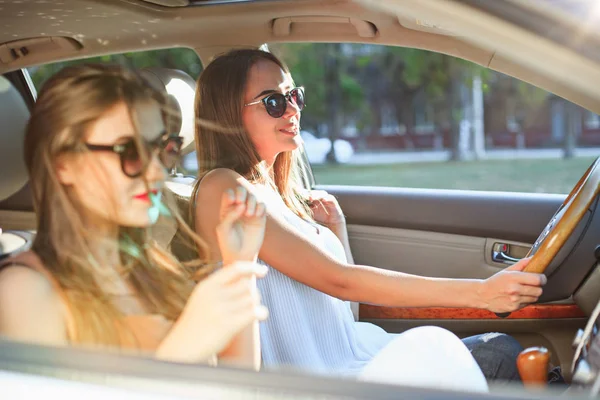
(577, 203)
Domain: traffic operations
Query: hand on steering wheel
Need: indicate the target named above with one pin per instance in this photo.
(563, 223)
(511, 288)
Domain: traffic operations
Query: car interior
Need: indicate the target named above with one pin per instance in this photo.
(442, 233)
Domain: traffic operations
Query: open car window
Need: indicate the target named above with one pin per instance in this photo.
(401, 117)
(183, 59)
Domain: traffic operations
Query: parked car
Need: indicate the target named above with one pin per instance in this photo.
(318, 148)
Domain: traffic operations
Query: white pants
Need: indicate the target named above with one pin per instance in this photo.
(427, 357)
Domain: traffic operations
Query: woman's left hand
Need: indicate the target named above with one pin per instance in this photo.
(325, 208)
(242, 228)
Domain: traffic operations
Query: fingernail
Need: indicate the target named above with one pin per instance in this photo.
(262, 312)
(262, 269)
(230, 195)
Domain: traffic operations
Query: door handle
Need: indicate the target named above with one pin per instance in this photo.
(499, 254)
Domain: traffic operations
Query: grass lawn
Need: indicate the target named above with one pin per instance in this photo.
(537, 175)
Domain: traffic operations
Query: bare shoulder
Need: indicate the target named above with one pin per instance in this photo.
(19, 280)
(222, 177)
(217, 181)
(30, 308)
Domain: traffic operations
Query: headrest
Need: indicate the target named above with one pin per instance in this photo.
(14, 115)
(181, 89)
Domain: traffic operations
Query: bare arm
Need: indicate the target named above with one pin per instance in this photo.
(219, 308)
(341, 232)
(284, 246)
(244, 349)
(232, 239)
(173, 348)
(30, 309)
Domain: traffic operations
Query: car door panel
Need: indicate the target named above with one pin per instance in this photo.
(536, 311)
(424, 253)
(441, 233)
(451, 233)
(518, 217)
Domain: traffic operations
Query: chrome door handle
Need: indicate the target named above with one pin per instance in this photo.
(499, 254)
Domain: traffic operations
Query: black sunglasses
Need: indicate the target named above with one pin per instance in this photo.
(276, 103)
(168, 149)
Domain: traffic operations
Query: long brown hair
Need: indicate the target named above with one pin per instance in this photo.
(67, 105)
(220, 99)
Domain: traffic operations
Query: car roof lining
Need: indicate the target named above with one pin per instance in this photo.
(132, 25)
(118, 26)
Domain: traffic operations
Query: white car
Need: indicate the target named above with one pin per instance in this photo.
(317, 148)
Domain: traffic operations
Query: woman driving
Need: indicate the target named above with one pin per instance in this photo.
(313, 276)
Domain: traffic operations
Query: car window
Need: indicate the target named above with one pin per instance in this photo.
(400, 117)
(183, 59)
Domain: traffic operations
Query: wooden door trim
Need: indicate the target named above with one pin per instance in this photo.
(536, 311)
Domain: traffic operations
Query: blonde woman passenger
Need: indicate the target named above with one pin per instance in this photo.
(97, 149)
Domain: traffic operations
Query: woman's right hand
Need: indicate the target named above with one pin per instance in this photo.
(242, 228)
(219, 308)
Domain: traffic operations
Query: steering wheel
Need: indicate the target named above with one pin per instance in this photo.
(563, 223)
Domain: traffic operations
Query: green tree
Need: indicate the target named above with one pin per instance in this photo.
(307, 63)
(180, 58)
(404, 73)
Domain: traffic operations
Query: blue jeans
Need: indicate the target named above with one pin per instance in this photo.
(496, 354)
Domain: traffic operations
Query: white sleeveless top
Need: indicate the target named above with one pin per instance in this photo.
(309, 330)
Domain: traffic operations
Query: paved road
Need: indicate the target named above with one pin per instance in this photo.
(365, 158)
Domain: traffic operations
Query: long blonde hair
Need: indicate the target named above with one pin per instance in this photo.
(67, 105)
(220, 99)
